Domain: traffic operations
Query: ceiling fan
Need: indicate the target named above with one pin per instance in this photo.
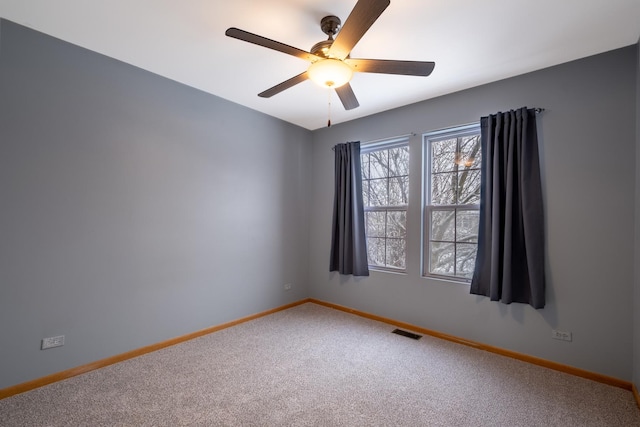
(331, 65)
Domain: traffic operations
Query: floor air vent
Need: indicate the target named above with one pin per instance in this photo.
(406, 334)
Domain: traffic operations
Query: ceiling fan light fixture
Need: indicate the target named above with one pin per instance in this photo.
(330, 73)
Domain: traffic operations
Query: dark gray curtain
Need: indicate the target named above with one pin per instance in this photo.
(510, 261)
(348, 242)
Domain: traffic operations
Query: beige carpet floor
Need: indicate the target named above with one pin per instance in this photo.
(315, 366)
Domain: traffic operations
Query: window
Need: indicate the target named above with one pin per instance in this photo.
(385, 192)
(451, 214)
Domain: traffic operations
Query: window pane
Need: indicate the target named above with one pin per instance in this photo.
(378, 192)
(443, 155)
(379, 161)
(365, 193)
(467, 223)
(375, 250)
(465, 259)
(442, 225)
(399, 161)
(364, 161)
(470, 151)
(398, 191)
(469, 187)
(375, 224)
(442, 188)
(442, 258)
(397, 224)
(395, 253)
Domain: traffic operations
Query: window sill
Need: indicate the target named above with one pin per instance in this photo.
(448, 279)
(387, 270)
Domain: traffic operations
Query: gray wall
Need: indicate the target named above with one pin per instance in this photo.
(587, 139)
(134, 209)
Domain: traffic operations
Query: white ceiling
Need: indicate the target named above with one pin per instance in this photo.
(472, 43)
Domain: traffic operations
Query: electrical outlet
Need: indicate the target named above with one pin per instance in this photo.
(561, 335)
(287, 286)
(52, 342)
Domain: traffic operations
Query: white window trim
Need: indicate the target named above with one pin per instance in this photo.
(427, 208)
(386, 144)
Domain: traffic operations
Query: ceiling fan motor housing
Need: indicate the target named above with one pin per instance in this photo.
(322, 48)
(330, 25)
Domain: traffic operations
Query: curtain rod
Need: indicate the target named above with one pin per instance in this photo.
(536, 109)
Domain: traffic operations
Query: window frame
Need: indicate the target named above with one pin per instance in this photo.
(428, 208)
(380, 145)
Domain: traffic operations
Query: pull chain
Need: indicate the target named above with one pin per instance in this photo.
(329, 107)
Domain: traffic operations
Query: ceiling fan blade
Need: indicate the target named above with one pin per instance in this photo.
(284, 85)
(347, 97)
(271, 44)
(408, 68)
(363, 15)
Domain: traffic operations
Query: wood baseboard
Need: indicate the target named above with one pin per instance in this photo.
(524, 357)
(636, 394)
(59, 376)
